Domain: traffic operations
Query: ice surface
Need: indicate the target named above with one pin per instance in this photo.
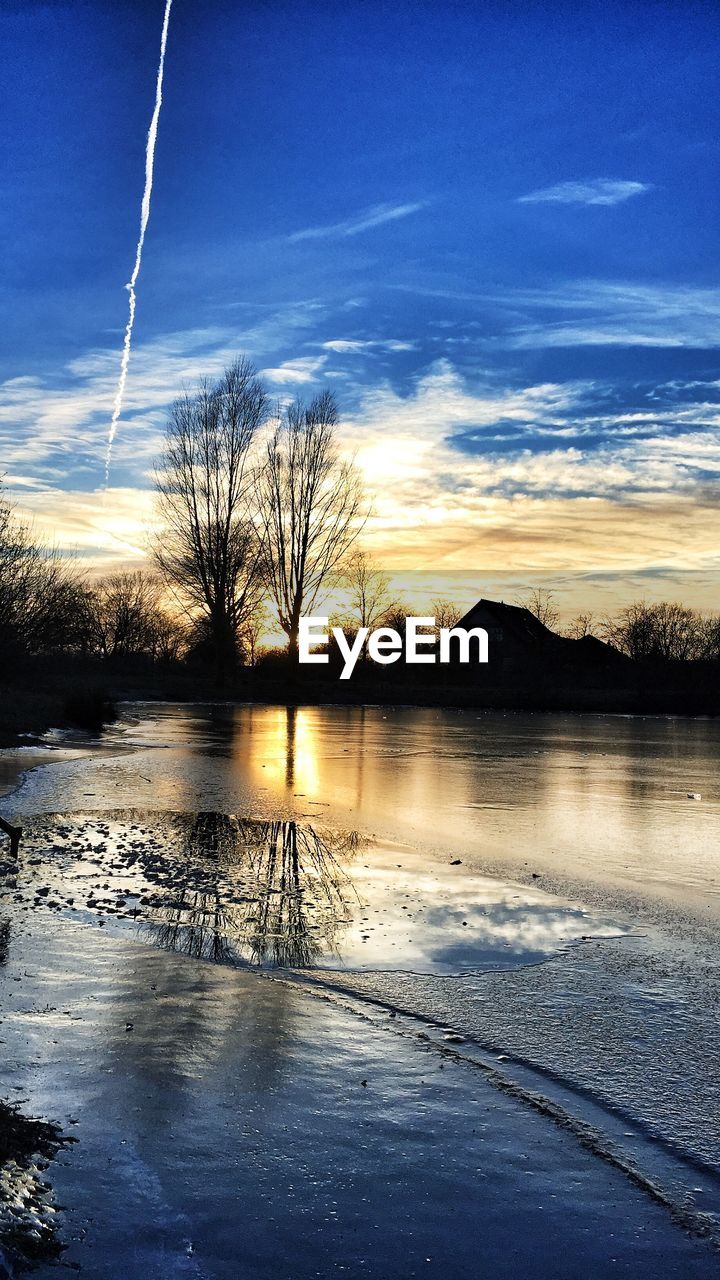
(591, 814)
(229, 1125)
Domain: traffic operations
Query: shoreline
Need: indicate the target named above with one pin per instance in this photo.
(68, 693)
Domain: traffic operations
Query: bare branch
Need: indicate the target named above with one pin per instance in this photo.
(210, 552)
(312, 508)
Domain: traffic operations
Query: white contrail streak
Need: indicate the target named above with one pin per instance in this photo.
(144, 218)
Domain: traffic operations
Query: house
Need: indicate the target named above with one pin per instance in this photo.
(518, 641)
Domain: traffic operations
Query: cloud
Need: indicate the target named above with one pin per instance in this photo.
(613, 313)
(56, 427)
(621, 503)
(346, 346)
(545, 476)
(109, 528)
(350, 346)
(603, 191)
(584, 312)
(303, 369)
(581, 312)
(373, 217)
(441, 400)
(547, 439)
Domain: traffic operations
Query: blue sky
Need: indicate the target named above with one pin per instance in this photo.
(491, 229)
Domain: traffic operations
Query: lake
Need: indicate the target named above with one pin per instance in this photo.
(542, 890)
(598, 798)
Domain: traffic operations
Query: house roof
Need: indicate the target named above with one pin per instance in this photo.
(511, 617)
(530, 631)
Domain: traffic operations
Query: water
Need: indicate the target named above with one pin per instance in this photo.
(287, 894)
(508, 839)
(603, 797)
(230, 1126)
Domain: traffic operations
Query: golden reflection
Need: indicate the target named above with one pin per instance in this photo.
(290, 750)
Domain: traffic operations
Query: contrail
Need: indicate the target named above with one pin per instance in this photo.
(144, 218)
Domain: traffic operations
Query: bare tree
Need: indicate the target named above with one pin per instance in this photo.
(170, 638)
(395, 618)
(446, 613)
(369, 589)
(581, 626)
(252, 631)
(677, 632)
(666, 631)
(709, 638)
(541, 604)
(210, 551)
(41, 596)
(631, 631)
(125, 618)
(311, 508)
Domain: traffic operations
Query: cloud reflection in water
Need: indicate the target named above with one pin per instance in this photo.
(284, 894)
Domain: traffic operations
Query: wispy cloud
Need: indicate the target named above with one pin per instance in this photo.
(585, 312)
(365, 221)
(605, 191)
(56, 426)
(301, 370)
(616, 313)
(346, 346)
(105, 532)
(353, 346)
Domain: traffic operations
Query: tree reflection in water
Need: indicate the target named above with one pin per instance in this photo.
(257, 893)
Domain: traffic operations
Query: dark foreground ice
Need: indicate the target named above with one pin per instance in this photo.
(231, 1126)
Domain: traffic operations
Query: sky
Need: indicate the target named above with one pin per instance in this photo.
(491, 229)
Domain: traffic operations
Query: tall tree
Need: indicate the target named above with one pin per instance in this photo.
(210, 551)
(312, 508)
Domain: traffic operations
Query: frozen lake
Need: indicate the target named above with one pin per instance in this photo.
(539, 891)
(603, 799)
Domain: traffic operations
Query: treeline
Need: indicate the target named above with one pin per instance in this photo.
(57, 629)
(666, 631)
(47, 606)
